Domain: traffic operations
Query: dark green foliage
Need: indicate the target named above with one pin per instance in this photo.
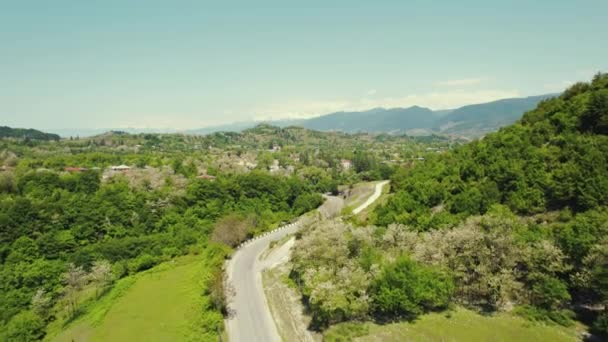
(551, 166)
(601, 324)
(555, 157)
(21, 133)
(24, 327)
(51, 219)
(548, 292)
(407, 289)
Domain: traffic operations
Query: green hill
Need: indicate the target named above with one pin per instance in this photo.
(487, 117)
(551, 170)
(374, 120)
(23, 133)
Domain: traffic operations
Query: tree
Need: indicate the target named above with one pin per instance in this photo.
(7, 183)
(595, 117)
(407, 289)
(41, 303)
(101, 275)
(548, 292)
(24, 327)
(232, 229)
(74, 280)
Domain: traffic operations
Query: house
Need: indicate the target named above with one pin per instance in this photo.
(275, 148)
(275, 166)
(346, 164)
(122, 168)
(75, 169)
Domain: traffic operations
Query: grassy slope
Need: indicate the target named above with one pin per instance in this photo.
(163, 304)
(457, 325)
(358, 195)
(363, 217)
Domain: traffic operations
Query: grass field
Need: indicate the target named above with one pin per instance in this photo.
(363, 217)
(358, 195)
(458, 325)
(162, 304)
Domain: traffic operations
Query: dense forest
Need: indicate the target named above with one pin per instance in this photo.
(21, 133)
(516, 221)
(60, 232)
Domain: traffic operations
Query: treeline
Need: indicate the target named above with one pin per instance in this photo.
(515, 221)
(22, 133)
(58, 230)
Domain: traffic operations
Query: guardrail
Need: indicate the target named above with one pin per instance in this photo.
(253, 239)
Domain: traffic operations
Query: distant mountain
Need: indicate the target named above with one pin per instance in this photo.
(472, 120)
(89, 132)
(392, 120)
(487, 117)
(24, 133)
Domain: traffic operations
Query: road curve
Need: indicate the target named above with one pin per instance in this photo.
(250, 319)
(371, 199)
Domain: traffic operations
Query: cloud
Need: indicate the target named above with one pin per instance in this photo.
(557, 86)
(371, 92)
(434, 100)
(461, 82)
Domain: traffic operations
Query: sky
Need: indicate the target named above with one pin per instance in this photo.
(190, 64)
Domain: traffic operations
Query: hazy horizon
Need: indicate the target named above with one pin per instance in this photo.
(192, 65)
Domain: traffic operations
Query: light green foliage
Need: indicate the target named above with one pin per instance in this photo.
(453, 325)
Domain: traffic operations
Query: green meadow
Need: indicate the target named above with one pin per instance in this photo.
(457, 325)
(162, 304)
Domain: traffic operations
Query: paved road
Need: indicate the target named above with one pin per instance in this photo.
(251, 320)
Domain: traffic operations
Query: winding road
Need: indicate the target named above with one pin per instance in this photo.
(251, 320)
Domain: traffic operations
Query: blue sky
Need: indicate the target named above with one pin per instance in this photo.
(188, 64)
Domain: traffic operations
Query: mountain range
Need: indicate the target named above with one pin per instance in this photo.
(471, 120)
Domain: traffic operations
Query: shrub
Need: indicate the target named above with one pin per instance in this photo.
(142, 262)
(24, 327)
(407, 289)
(601, 323)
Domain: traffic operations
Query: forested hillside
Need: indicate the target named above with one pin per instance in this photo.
(479, 119)
(470, 121)
(516, 221)
(62, 233)
(374, 120)
(21, 133)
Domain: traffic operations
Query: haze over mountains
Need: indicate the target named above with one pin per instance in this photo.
(471, 120)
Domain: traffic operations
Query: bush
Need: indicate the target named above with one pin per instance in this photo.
(120, 269)
(548, 292)
(345, 332)
(561, 317)
(142, 262)
(407, 289)
(601, 324)
(24, 327)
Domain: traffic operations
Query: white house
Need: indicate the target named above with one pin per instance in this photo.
(121, 168)
(346, 164)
